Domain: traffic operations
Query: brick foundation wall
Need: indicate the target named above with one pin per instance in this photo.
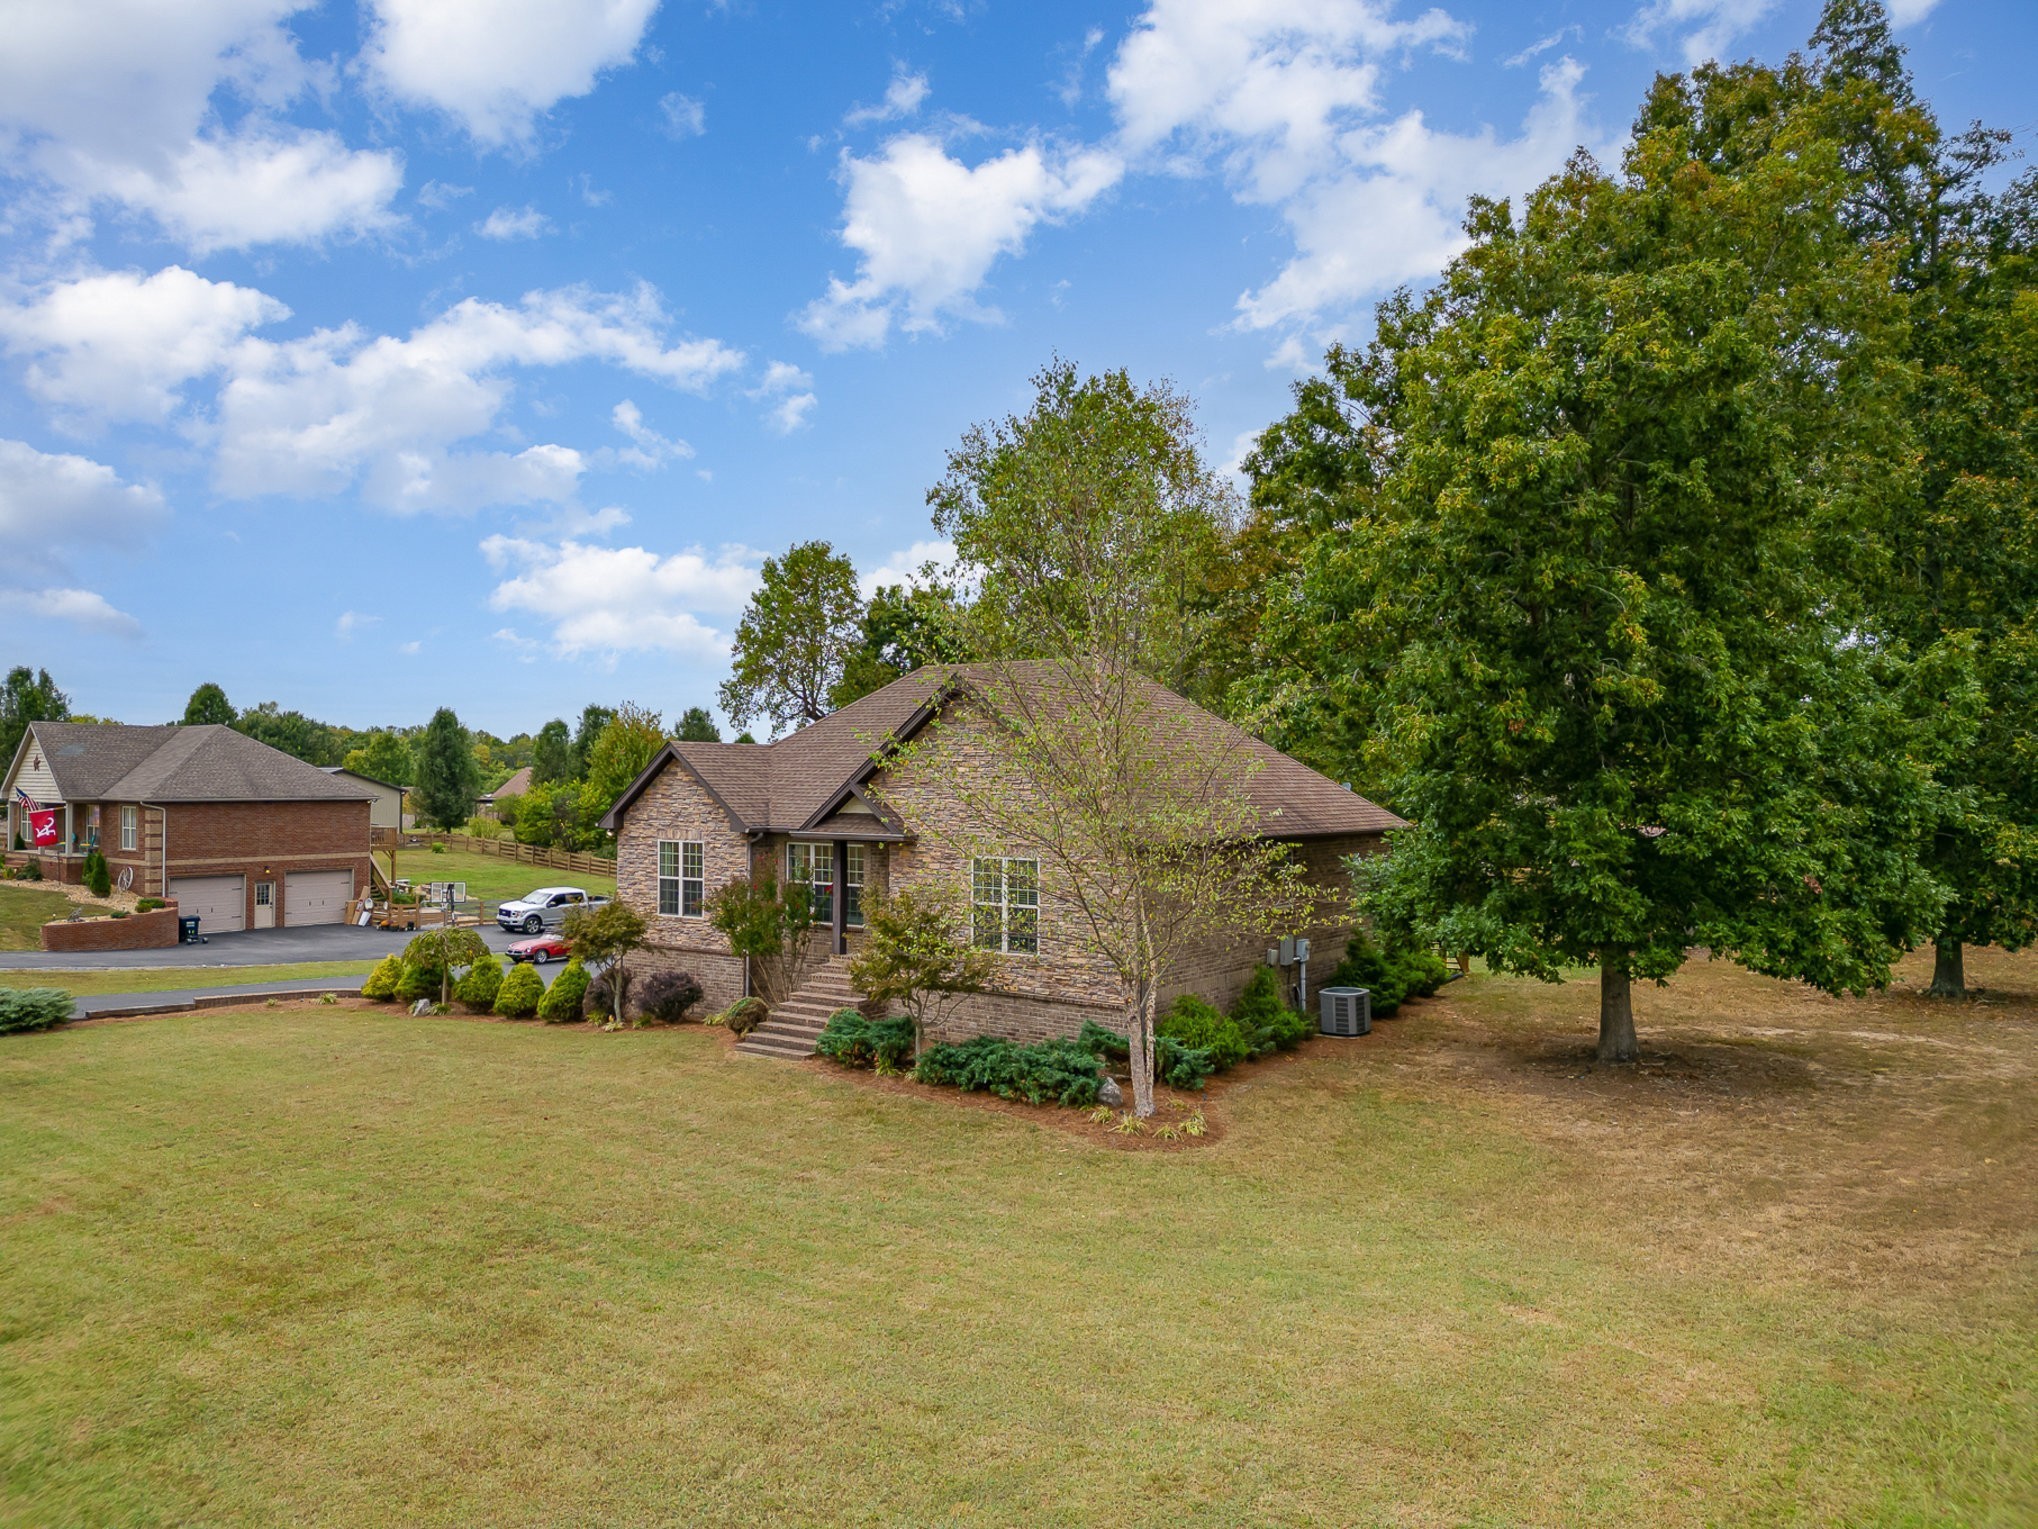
(719, 973)
(1020, 1018)
(138, 931)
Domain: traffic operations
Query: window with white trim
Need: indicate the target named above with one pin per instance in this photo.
(813, 866)
(852, 885)
(1005, 904)
(682, 885)
(127, 828)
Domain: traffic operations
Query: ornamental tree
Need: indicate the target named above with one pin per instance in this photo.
(604, 937)
(768, 924)
(917, 954)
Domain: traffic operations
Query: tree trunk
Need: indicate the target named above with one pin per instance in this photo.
(1616, 1012)
(1140, 1033)
(1949, 970)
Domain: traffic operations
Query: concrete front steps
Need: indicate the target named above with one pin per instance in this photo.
(795, 1025)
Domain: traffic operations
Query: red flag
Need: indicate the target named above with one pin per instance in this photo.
(42, 828)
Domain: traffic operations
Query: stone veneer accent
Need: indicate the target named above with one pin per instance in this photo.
(677, 806)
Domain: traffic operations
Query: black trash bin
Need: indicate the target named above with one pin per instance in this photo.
(187, 931)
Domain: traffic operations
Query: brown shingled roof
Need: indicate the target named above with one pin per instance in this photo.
(781, 787)
(206, 763)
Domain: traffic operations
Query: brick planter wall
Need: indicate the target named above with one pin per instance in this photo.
(138, 931)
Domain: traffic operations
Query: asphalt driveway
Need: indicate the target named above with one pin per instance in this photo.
(256, 947)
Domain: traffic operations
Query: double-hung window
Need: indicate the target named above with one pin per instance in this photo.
(852, 885)
(682, 885)
(127, 828)
(813, 866)
(1005, 904)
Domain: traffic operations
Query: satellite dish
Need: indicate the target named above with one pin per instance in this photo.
(126, 878)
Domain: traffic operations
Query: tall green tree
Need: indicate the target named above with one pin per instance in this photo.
(208, 706)
(593, 718)
(552, 754)
(386, 756)
(626, 745)
(1960, 590)
(1096, 451)
(28, 696)
(794, 639)
(294, 733)
(1595, 601)
(904, 627)
(696, 726)
(448, 780)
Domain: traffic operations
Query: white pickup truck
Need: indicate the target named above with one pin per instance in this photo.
(545, 908)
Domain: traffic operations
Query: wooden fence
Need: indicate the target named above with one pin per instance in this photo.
(505, 848)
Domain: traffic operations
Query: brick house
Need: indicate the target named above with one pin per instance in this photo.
(819, 806)
(242, 835)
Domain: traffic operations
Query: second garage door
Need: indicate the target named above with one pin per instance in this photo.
(219, 903)
(316, 897)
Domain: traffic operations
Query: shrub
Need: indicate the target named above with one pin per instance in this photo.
(1057, 1072)
(1181, 1066)
(1393, 969)
(520, 994)
(438, 848)
(1264, 1019)
(32, 871)
(32, 1008)
(563, 1000)
(118, 913)
(149, 904)
(1195, 1025)
(854, 1041)
(1102, 1042)
(667, 996)
(483, 828)
(98, 880)
(479, 985)
(745, 1015)
(420, 979)
(381, 983)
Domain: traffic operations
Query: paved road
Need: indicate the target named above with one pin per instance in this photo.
(257, 947)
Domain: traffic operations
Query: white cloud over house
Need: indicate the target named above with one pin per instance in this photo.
(606, 600)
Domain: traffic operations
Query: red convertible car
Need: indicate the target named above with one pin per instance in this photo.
(539, 950)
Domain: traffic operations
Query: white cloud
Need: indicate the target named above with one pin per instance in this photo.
(904, 566)
(497, 65)
(791, 391)
(122, 345)
(902, 98)
(351, 622)
(439, 195)
(339, 409)
(647, 447)
(1704, 28)
(80, 607)
(684, 117)
(514, 223)
(116, 100)
(1393, 212)
(50, 500)
(1903, 13)
(928, 228)
(622, 599)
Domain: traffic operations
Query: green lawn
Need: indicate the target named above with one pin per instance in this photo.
(157, 979)
(489, 877)
(340, 1266)
(25, 908)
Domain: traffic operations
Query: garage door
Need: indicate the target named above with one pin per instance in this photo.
(219, 903)
(316, 897)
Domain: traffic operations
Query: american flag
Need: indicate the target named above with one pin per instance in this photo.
(28, 803)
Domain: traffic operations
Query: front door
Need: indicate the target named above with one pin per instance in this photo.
(265, 905)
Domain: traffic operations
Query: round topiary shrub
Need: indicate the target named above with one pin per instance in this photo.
(666, 996)
(746, 1014)
(478, 986)
(381, 983)
(420, 979)
(562, 1002)
(520, 994)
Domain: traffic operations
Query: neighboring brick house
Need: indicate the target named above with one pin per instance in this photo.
(242, 835)
(818, 806)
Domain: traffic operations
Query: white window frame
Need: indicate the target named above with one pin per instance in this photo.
(1004, 909)
(129, 829)
(802, 856)
(682, 871)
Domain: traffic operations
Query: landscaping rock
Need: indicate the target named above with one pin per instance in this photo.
(422, 1006)
(1108, 1092)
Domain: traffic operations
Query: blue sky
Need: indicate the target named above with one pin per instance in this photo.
(371, 357)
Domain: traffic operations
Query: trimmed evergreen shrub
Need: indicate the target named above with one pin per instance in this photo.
(745, 1015)
(381, 983)
(1049, 1072)
(479, 984)
(854, 1041)
(98, 880)
(420, 979)
(33, 1008)
(667, 996)
(1174, 1064)
(521, 991)
(32, 871)
(1195, 1025)
(149, 904)
(1264, 1018)
(1101, 1041)
(1393, 969)
(562, 1002)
